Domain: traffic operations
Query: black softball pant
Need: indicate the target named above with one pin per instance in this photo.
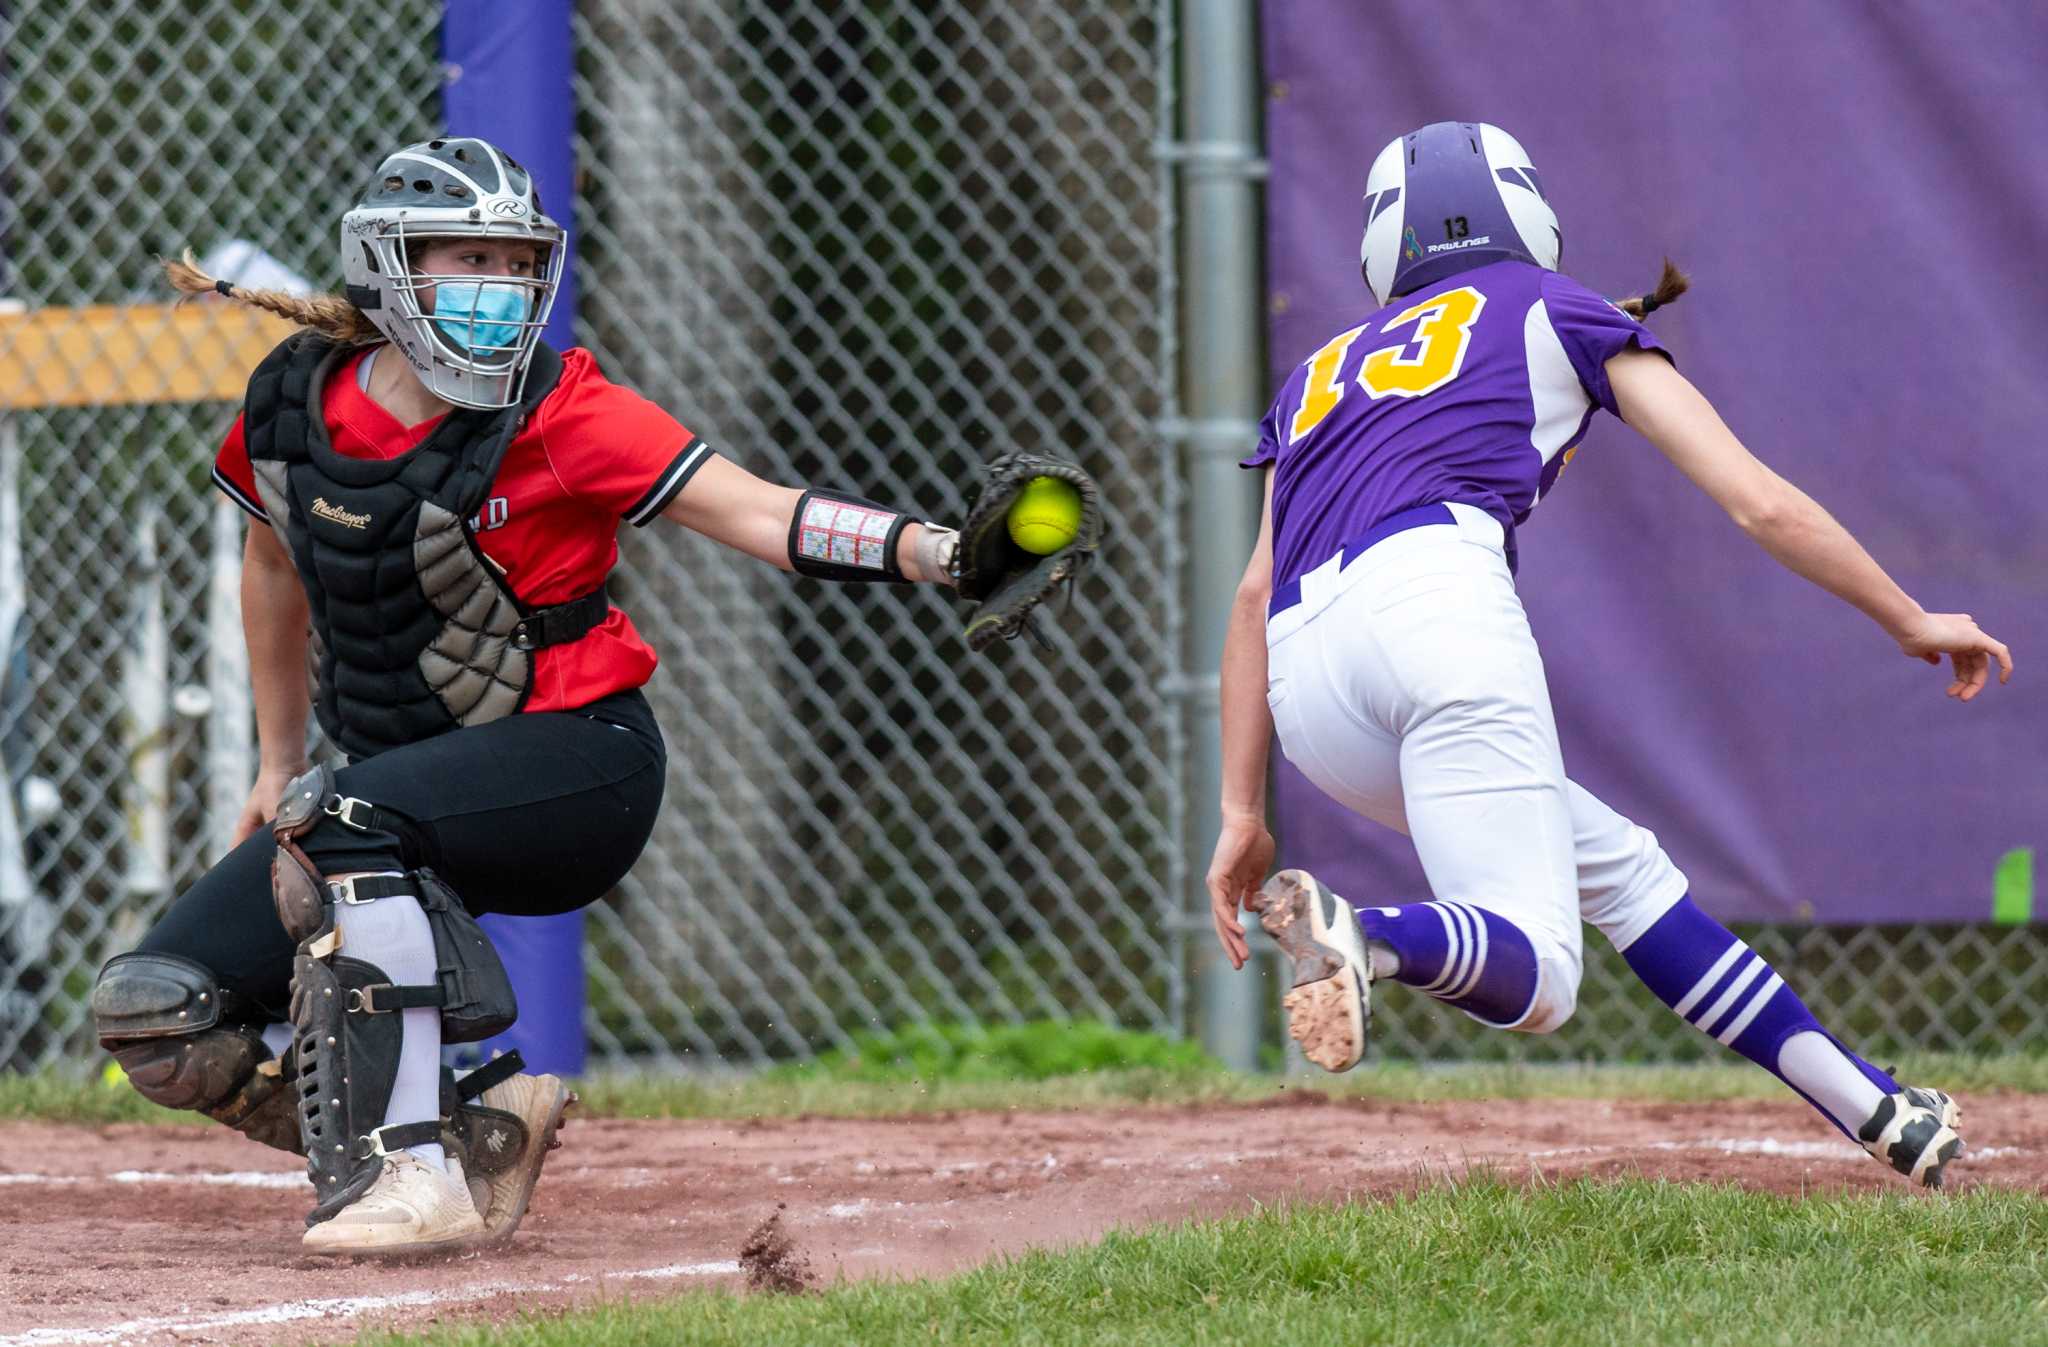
(531, 815)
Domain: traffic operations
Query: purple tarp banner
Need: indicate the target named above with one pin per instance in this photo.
(1860, 193)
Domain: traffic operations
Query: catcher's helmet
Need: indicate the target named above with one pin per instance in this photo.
(455, 187)
(1450, 197)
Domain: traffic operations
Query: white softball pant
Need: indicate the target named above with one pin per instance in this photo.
(1407, 686)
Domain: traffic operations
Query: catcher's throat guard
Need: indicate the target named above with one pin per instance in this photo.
(344, 1009)
(1003, 581)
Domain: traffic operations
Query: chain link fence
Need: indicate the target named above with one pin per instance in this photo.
(860, 244)
(133, 130)
(871, 245)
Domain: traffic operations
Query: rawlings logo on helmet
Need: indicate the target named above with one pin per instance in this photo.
(1450, 197)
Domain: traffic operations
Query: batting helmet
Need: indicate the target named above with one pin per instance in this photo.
(1450, 197)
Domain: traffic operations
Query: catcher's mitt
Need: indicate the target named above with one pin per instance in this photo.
(1003, 581)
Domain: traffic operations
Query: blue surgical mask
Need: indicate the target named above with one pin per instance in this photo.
(484, 314)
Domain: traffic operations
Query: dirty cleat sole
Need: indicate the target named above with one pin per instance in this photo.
(1329, 1007)
(1914, 1131)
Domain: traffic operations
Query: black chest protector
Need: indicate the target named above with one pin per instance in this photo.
(414, 630)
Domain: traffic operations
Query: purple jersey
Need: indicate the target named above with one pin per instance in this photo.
(1474, 389)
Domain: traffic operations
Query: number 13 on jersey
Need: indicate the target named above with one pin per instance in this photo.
(1443, 330)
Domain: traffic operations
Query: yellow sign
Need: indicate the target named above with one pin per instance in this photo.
(120, 354)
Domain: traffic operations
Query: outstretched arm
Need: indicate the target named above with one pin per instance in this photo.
(1244, 847)
(1667, 410)
(728, 504)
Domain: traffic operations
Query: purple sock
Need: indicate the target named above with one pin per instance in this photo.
(1720, 986)
(1463, 955)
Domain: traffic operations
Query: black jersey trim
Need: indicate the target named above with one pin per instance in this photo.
(669, 485)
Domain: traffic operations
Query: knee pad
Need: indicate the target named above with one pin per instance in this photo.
(160, 1015)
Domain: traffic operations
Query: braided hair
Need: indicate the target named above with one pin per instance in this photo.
(328, 314)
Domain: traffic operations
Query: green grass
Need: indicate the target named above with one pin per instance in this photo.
(779, 1096)
(1629, 1264)
(840, 1091)
(62, 1097)
(1039, 1050)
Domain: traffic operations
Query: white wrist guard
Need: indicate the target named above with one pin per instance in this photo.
(935, 549)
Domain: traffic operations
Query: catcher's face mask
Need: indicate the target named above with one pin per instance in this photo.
(469, 337)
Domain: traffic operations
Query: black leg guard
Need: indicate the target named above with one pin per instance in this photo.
(471, 989)
(347, 1062)
(160, 1015)
(345, 1009)
(347, 1065)
(476, 991)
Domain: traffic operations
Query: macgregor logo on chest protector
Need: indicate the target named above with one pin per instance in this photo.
(335, 514)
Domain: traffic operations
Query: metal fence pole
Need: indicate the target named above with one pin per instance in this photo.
(1222, 380)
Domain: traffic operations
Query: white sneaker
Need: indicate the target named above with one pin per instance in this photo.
(1914, 1131)
(1329, 1009)
(411, 1208)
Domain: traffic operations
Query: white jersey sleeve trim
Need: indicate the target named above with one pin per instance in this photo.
(239, 497)
(1560, 401)
(669, 485)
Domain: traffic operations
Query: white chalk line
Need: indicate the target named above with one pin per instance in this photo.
(346, 1306)
(1791, 1150)
(250, 1178)
(289, 1179)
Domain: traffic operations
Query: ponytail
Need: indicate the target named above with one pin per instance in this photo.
(328, 314)
(1670, 286)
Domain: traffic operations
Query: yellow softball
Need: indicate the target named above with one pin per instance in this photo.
(1045, 516)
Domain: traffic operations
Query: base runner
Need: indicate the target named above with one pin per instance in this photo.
(1378, 615)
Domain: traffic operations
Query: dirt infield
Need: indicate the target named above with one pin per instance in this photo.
(152, 1236)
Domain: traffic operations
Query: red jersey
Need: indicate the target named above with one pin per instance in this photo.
(591, 454)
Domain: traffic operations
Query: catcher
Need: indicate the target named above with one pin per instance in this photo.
(436, 496)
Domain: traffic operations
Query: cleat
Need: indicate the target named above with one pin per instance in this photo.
(1914, 1131)
(1329, 1008)
(411, 1208)
(503, 1194)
